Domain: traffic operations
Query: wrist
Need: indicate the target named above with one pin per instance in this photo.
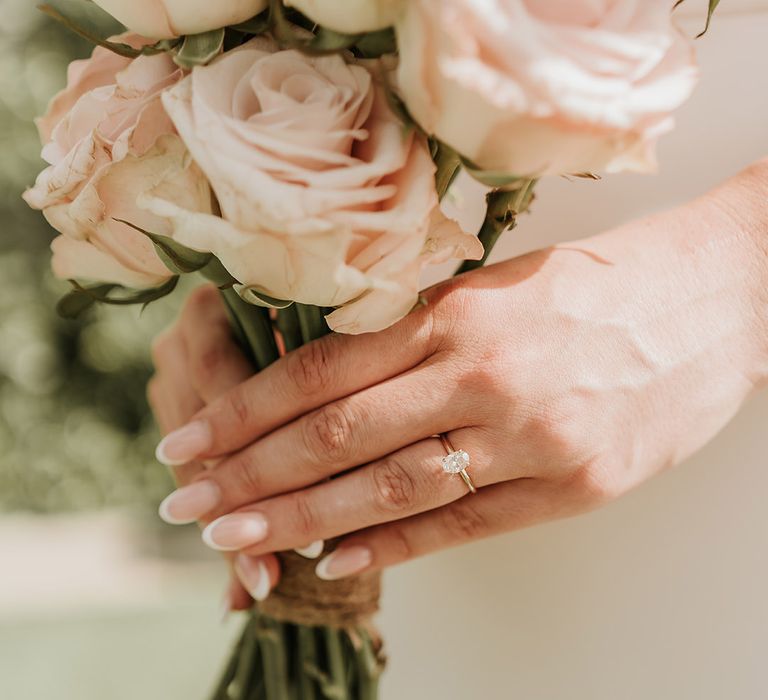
(741, 206)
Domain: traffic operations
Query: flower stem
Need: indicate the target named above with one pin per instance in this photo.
(311, 322)
(502, 209)
(289, 327)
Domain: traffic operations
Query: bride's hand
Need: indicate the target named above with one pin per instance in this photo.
(568, 375)
(183, 355)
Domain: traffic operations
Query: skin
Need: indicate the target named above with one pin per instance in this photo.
(570, 375)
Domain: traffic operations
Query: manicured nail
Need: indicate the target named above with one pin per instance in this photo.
(311, 551)
(185, 444)
(236, 531)
(253, 574)
(190, 503)
(344, 562)
(225, 607)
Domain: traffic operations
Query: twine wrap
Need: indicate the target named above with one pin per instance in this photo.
(303, 599)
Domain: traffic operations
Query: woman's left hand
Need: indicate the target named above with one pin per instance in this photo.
(568, 375)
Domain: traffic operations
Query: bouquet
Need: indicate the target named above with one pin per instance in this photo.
(295, 153)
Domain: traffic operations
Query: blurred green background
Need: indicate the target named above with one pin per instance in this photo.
(97, 598)
(74, 428)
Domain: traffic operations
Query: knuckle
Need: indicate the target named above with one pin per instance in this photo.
(329, 434)
(239, 410)
(394, 486)
(309, 367)
(206, 364)
(594, 484)
(200, 299)
(464, 522)
(246, 480)
(305, 518)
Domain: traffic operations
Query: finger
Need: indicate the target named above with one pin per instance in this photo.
(258, 575)
(236, 596)
(171, 396)
(352, 431)
(312, 376)
(405, 483)
(504, 507)
(215, 363)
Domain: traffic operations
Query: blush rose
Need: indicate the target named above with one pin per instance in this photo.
(536, 87)
(325, 197)
(107, 140)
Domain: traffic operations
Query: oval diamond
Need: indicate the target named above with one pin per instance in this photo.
(456, 462)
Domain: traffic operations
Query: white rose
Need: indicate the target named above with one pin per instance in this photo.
(326, 198)
(533, 87)
(350, 16)
(163, 19)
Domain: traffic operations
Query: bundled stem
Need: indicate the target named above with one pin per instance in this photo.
(502, 209)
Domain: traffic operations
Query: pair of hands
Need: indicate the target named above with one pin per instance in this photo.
(569, 375)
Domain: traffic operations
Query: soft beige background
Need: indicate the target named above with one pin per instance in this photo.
(661, 596)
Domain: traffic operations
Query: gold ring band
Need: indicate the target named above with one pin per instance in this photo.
(456, 462)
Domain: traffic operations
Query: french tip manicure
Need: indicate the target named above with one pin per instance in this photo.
(184, 445)
(163, 458)
(189, 503)
(254, 575)
(208, 539)
(165, 514)
(235, 531)
(344, 562)
(311, 551)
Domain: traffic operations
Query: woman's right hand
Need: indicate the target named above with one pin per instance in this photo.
(197, 361)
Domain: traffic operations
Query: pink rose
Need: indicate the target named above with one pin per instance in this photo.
(532, 87)
(108, 140)
(163, 19)
(325, 197)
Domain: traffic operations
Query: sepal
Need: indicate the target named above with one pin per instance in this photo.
(120, 48)
(177, 257)
(199, 49)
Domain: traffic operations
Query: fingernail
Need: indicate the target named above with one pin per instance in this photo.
(225, 606)
(236, 531)
(253, 574)
(190, 503)
(311, 551)
(185, 444)
(344, 562)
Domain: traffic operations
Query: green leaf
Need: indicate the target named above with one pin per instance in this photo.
(177, 257)
(710, 11)
(252, 296)
(74, 304)
(119, 48)
(82, 298)
(199, 49)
